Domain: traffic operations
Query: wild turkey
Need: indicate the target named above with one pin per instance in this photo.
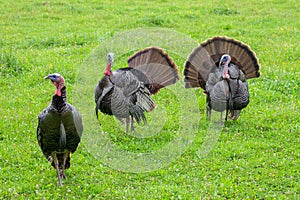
(221, 67)
(126, 92)
(59, 128)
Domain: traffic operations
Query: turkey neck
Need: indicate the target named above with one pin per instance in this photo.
(59, 101)
(108, 69)
(225, 74)
(108, 73)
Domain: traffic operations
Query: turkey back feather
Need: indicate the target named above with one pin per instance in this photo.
(208, 54)
(156, 65)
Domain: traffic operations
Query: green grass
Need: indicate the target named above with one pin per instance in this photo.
(255, 157)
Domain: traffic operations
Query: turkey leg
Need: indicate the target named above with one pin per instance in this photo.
(131, 123)
(129, 120)
(221, 120)
(127, 124)
(56, 164)
(62, 174)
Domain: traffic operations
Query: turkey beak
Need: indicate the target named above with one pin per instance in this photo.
(50, 76)
(223, 61)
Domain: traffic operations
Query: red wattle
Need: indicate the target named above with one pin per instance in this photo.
(58, 92)
(107, 72)
(108, 69)
(225, 72)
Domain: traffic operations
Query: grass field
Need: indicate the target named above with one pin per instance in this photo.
(255, 157)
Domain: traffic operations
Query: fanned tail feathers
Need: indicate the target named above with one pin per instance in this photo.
(157, 66)
(208, 54)
(240, 53)
(197, 68)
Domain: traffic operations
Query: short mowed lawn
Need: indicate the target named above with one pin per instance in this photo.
(255, 157)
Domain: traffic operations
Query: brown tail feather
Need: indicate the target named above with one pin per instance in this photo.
(157, 65)
(240, 54)
(208, 54)
(197, 68)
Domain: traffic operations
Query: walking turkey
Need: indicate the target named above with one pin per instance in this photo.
(221, 67)
(59, 128)
(126, 92)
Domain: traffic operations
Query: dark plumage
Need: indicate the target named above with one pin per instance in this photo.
(126, 92)
(59, 128)
(221, 67)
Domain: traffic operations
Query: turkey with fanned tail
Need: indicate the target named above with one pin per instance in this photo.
(126, 92)
(221, 67)
(59, 128)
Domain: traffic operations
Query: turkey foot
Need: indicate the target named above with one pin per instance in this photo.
(62, 175)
